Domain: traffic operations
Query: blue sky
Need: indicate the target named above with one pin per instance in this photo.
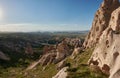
(47, 15)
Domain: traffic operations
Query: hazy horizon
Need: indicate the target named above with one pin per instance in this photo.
(46, 15)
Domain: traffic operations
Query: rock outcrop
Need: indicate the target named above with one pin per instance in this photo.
(101, 22)
(106, 54)
(62, 73)
(61, 64)
(57, 53)
(76, 42)
(62, 51)
(76, 51)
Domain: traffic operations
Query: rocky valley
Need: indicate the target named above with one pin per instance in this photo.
(85, 54)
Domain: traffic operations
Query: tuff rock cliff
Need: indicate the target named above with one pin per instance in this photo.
(105, 37)
(100, 22)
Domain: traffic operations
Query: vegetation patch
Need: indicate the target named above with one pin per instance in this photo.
(80, 69)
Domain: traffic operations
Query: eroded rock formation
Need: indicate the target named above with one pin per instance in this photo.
(76, 51)
(106, 54)
(57, 53)
(101, 22)
(62, 73)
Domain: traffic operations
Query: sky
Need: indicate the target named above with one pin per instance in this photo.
(47, 15)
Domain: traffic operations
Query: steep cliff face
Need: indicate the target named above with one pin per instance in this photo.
(107, 51)
(100, 22)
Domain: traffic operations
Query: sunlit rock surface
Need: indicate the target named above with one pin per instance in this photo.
(62, 73)
(107, 51)
(100, 22)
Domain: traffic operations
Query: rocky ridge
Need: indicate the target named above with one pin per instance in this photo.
(57, 53)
